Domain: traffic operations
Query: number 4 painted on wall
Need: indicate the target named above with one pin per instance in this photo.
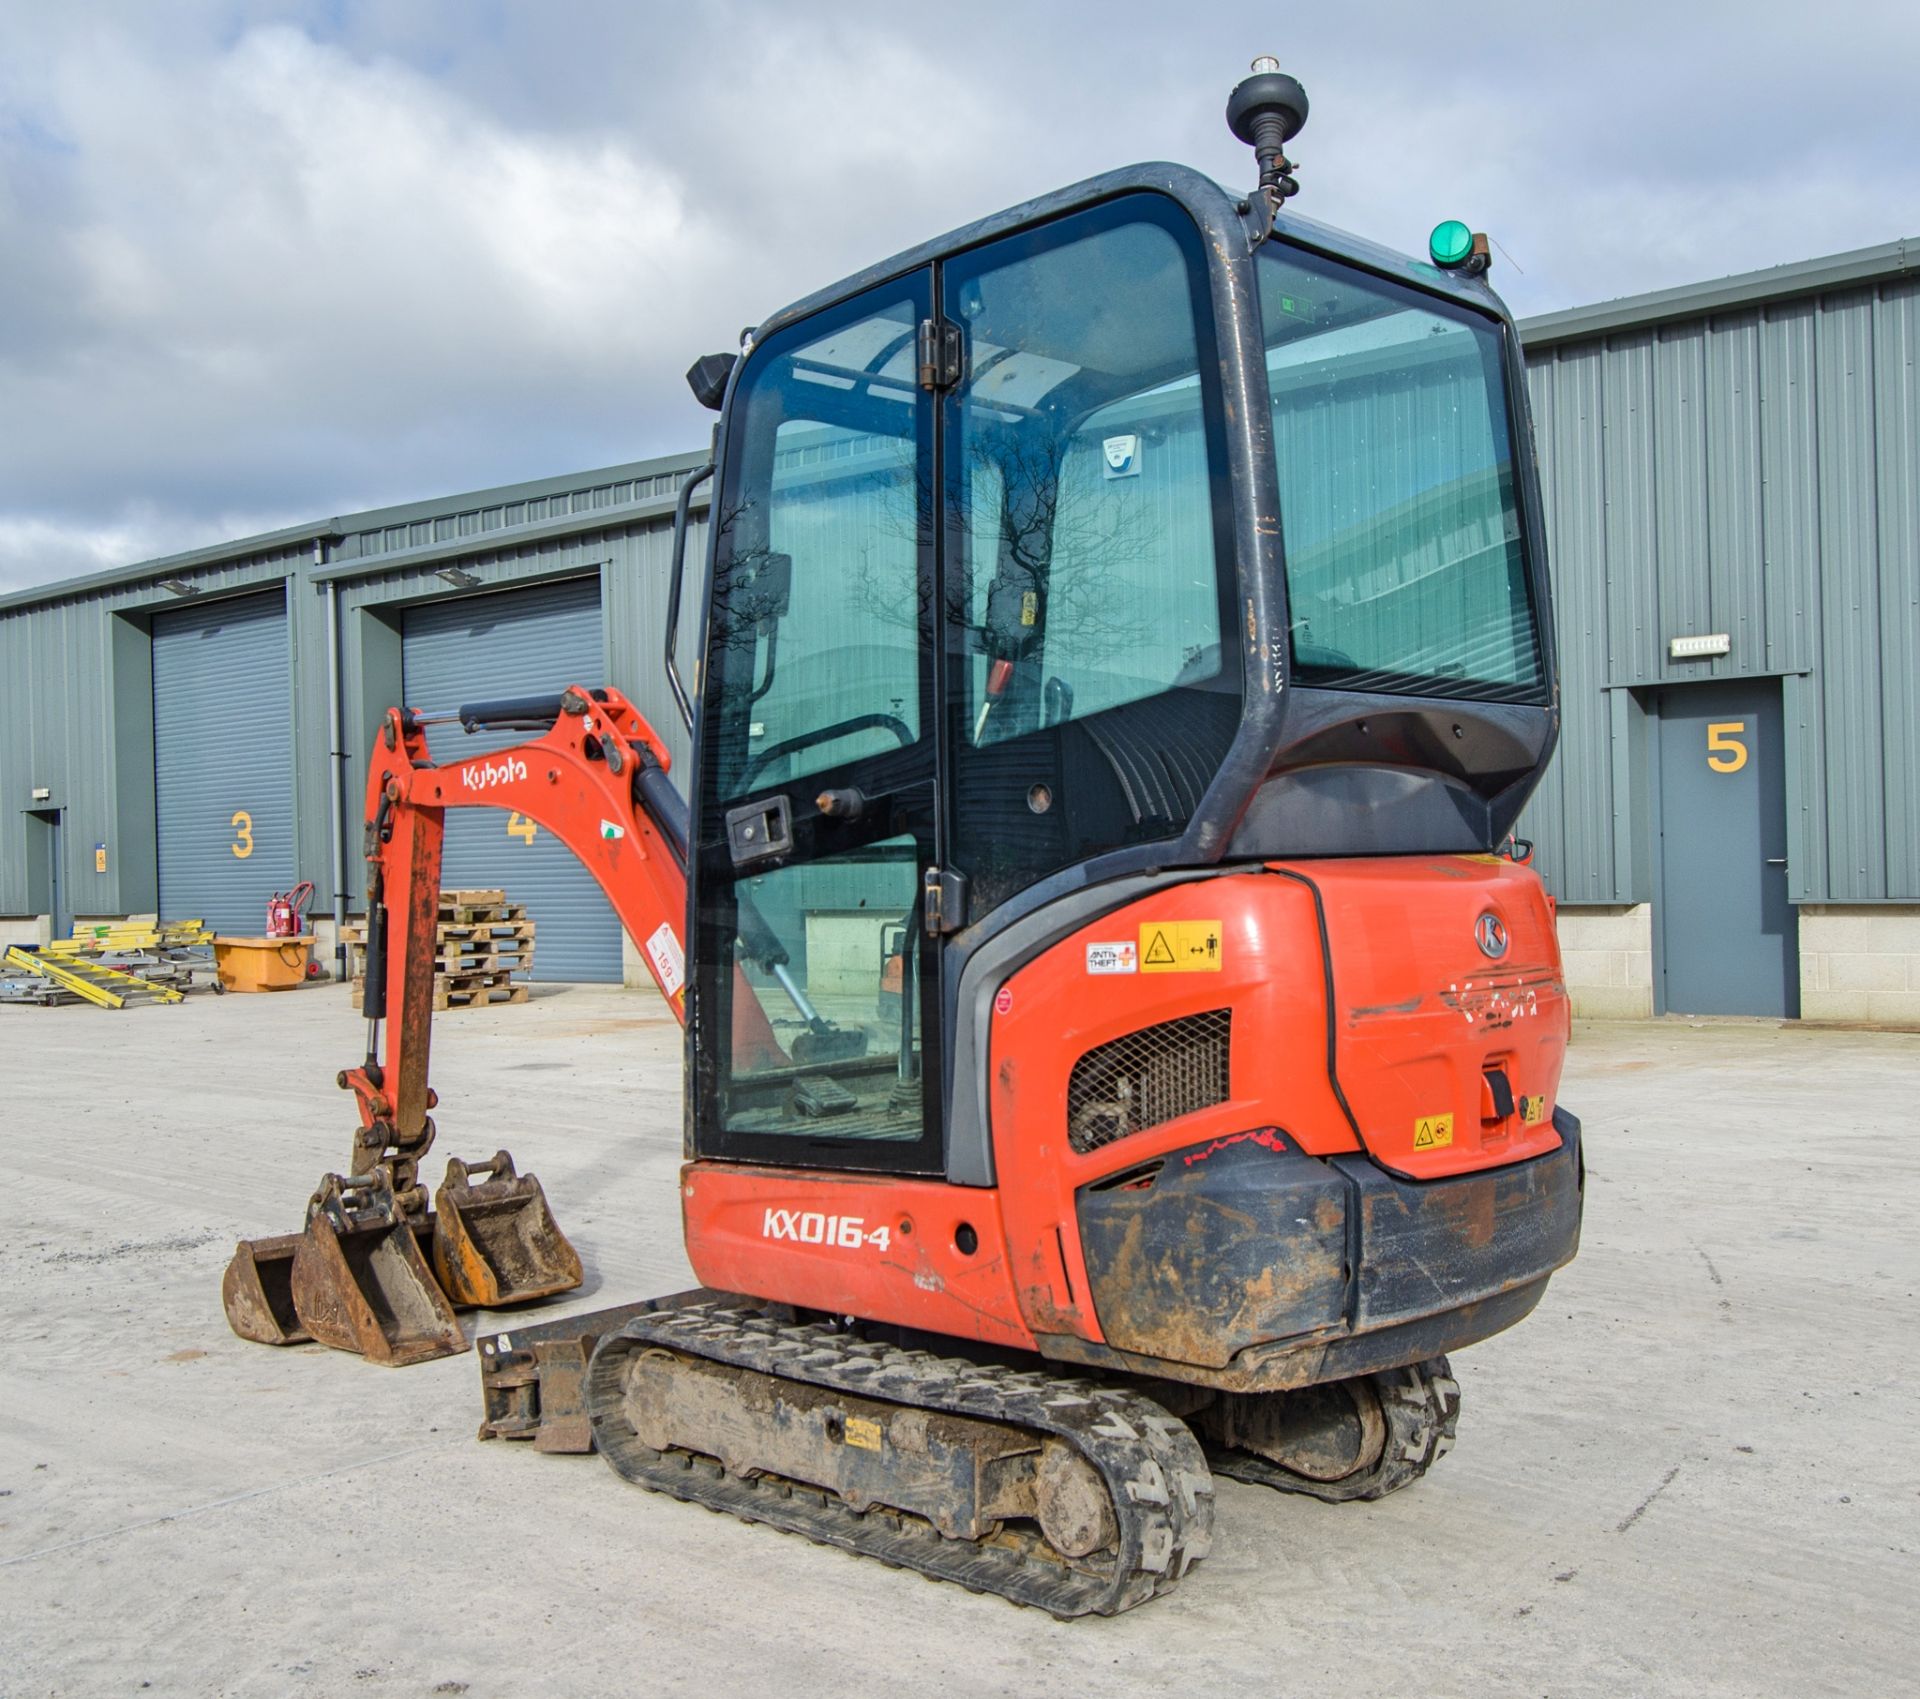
(519, 826)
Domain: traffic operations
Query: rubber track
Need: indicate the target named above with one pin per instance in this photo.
(1155, 1472)
(1421, 1403)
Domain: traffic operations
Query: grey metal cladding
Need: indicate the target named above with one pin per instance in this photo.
(1896, 394)
(76, 689)
(222, 760)
(515, 643)
(1754, 471)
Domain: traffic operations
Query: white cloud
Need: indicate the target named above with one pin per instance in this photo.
(325, 258)
(279, 271)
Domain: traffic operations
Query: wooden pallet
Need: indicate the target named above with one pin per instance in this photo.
(480, 942)
(449, 998)
(462, 908)
(462, 956)
(464, 991)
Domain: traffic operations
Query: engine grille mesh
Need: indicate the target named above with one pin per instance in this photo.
(1130, 1084)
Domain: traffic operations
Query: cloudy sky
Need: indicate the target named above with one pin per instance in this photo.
(263, 261)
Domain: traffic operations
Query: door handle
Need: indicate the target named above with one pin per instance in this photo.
(1776, 861)
(675, 574)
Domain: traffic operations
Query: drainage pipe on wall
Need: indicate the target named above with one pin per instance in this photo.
(336, 769)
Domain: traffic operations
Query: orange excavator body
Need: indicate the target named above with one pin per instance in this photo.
(1123, 1033)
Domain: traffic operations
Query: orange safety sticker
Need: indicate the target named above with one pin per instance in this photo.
(1180, 946)
(1430, 1132)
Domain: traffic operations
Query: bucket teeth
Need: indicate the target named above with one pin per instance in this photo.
(257, 1290)
(495, 1240)
(360, 1282)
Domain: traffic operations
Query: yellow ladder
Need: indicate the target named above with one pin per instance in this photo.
(108, 987)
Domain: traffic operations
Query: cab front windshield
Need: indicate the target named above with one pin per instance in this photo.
(1406, 565)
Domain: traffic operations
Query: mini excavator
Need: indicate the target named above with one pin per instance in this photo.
(1122, 1031)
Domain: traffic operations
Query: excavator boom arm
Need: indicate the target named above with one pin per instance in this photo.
(596, 779)
(357, 1275)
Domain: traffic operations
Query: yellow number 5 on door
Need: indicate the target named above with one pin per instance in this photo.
(1725, 752)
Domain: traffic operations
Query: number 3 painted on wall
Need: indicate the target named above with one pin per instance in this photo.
(242, 845)
(1725, 752)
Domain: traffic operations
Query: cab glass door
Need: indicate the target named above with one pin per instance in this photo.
(1093, 676)
(816, 755)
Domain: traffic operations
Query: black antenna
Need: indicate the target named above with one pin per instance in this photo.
(1266, 112)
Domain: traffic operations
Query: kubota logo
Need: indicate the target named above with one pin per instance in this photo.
(479, 775)
(1491, 931)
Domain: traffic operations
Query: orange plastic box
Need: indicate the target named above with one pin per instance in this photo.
(262, 964)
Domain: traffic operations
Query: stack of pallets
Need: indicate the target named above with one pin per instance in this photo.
(481, 943)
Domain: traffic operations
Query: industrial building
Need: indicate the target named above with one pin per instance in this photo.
(1732, 826)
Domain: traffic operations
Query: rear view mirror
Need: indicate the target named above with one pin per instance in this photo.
(707, 378)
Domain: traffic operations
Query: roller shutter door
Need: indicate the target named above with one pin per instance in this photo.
(515, 643)
(223, 760)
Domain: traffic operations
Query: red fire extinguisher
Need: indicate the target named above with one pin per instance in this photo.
(284, 910)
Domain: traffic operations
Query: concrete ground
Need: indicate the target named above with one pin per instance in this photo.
(1694, 1470)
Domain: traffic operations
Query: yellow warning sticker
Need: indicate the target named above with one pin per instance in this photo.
(1533, 1110)
(1180, 946)
(1430, 1132)
(863, 1432)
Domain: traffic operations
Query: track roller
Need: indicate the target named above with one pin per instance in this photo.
(1348, 1439)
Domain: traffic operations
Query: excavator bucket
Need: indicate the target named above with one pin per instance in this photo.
(359, 1281)
(496, 1242)
(257, 1290)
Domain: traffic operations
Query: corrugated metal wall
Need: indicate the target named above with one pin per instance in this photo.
(223, 760)
(632, 561)
(1755, 473)
(76, 702)
(515, 643)
(76, 692)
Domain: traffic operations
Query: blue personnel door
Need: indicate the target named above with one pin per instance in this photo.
(1728, 935)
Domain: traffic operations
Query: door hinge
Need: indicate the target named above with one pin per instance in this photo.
(942, 355)
(945, 906)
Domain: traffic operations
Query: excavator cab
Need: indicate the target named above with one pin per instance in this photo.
(1118, 535)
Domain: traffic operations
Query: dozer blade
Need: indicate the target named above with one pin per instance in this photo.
(359, 1281)
(496, 1242)
(257, 1290)
(826, 1043)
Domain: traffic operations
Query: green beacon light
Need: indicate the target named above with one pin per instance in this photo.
(1451, 243)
